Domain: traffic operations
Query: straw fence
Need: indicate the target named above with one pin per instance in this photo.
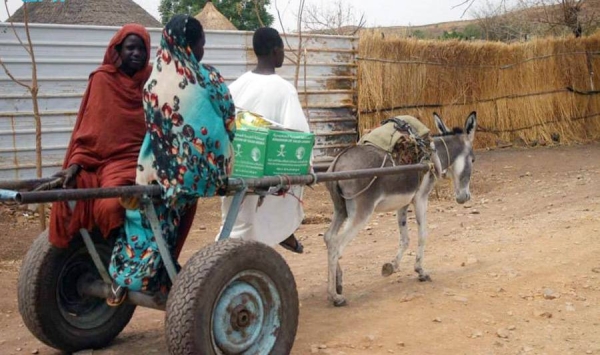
(537, 92)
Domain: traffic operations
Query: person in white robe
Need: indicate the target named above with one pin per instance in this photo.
(263, 92)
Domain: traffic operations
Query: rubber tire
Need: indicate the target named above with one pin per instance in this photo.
(38, 299)
(195, 292)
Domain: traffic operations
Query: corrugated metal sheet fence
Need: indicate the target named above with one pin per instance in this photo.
(65, 56)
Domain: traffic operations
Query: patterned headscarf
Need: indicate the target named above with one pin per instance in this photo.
(189, 117)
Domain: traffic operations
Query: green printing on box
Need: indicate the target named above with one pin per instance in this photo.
(249, 147)
(288, 153)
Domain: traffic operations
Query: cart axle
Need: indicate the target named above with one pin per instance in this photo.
(100, 289)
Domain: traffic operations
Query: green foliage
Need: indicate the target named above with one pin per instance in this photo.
(242, 13)
(419, 34)
(472, 31)
(452, 35)
(469, 32)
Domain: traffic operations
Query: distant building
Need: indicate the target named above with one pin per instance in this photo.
(86, 12)
(212, 19)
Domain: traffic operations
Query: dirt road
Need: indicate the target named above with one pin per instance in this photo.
(514, 271)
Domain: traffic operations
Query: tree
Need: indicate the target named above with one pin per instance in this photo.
(501, 23)
(535, 18)
(33, 89)
(467, 4)
(336, 19)
(418, 34)
(247, 15)
(297, 54)
(561, 15)
(472, 32)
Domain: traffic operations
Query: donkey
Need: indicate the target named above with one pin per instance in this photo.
(355, 201)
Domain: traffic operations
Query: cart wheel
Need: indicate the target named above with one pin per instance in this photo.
(233, 297)
(49, 301)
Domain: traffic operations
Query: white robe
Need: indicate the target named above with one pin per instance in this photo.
(278, 216)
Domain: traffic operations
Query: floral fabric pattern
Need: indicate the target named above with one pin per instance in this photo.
(187, 148)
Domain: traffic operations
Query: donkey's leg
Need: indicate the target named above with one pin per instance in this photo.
(339, 279)
(357, 219)
(390, 268)
(421, 201)
(339, 216)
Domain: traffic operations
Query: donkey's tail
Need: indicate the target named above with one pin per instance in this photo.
(337, 196)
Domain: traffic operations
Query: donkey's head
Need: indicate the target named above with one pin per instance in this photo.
(455, 151)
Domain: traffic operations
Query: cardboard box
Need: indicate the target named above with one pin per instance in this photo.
(288, 152)
(264, 148)
(249, 147)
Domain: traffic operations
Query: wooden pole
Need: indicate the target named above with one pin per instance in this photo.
(234, 184)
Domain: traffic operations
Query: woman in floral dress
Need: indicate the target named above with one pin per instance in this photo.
(190, 121)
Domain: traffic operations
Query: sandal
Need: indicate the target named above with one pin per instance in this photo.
(298, 248)
(118, 295)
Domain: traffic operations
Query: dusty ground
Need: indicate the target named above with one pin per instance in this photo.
(515, 271)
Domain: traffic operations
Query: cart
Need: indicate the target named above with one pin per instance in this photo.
(231, 297)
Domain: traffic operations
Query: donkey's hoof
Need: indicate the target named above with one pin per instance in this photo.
(339, 301)
(387, 269)
(424, 278)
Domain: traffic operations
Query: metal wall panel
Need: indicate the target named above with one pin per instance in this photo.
(66, 54)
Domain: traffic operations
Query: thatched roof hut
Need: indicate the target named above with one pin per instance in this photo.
(212, 19)
(87, 12)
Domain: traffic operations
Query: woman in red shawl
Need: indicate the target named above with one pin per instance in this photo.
(107, 137)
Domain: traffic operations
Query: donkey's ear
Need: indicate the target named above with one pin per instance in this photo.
(471, 126)
(439, 124)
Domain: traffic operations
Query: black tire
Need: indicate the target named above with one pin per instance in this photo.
(233, 270)
(50, 304)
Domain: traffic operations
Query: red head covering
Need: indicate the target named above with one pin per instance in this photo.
(106, 140)
(112, 59)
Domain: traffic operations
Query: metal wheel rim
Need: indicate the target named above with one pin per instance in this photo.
(246, 316)
(79, 311)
